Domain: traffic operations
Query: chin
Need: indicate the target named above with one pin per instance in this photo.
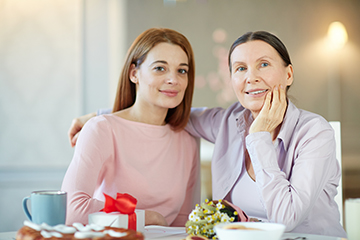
(253, 106)
(170, 106)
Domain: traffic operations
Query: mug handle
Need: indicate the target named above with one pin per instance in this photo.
(26, 210)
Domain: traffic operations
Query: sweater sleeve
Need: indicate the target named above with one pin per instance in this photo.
(205, 123)
(83, 175)
(289, 200)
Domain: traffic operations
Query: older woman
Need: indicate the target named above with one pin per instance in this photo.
(141, 147)
(275, 161)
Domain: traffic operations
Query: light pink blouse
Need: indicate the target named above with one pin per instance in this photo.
(296, 176)
(156, 165)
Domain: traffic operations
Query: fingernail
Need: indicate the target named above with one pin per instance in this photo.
(281, 86)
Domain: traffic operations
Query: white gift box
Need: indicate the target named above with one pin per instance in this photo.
(116, 219)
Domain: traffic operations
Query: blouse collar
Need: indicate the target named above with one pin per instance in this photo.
(245, 118)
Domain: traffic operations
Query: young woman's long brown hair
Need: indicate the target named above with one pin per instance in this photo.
(126, 93)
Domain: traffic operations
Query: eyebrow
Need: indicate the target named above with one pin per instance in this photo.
(165, 62)
(241, 62)
(265, 56)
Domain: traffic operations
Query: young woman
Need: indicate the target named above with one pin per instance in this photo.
(274, 161)
(141, 147)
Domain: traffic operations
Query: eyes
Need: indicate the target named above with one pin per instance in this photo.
(159, 69)
(264, 64)
(163, 69)
(240, 69)
(244, 68)
(183, 71)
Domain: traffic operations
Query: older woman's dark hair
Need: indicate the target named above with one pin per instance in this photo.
(126, 93)
(267, 37)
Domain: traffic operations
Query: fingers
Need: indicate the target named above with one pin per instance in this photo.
(272, 112)
(278, 104)
(267, 102)
(74, 140)
(278, 107)
(275, 101)
(282, 93)
(75, 127)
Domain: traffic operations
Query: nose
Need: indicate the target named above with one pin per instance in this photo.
(172, 78)
(252, 76)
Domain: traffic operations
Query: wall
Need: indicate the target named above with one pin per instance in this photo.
(56, 61)
(212, 26)
(39, 77)
(61, 58)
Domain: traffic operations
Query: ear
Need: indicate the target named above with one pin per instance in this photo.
(290, 75)
(133, 72)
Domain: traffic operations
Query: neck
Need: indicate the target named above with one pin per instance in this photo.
(148, 115)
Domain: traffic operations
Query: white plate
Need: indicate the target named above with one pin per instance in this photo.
(268, 231)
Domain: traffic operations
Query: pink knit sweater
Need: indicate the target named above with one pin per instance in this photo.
(156, 165)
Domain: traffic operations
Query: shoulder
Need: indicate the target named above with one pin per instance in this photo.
(233, 112)
(297, 118)
(185, 139)
(99, 126)
(217, 112)
(306, 125)
(101, 121)
(96, 135)
(313, 121)
(235, 108)
(181, 135)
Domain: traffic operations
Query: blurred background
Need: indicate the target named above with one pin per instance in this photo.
(60, 59)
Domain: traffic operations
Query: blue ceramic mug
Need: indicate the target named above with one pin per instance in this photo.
(46, 207)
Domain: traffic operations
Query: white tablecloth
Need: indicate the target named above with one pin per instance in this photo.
(171, 233)
(178, 233)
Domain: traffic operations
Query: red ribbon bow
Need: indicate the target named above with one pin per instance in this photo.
(125, 204)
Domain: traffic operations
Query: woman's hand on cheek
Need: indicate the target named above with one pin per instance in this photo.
(272, 112)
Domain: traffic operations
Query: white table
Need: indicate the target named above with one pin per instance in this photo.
(155, 233)
(178, 233)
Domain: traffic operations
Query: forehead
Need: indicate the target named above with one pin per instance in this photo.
(168, 52)
(253, 50)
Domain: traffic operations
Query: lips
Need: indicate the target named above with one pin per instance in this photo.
(170, 93)
(256, 91)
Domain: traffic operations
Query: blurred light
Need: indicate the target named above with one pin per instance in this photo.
(219, 35)
(337, 35)
(172, 2)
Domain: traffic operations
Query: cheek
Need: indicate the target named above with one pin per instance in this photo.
(278, 78)
(237, 84)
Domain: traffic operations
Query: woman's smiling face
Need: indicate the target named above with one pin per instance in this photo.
(162, 78)
(256, 69)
